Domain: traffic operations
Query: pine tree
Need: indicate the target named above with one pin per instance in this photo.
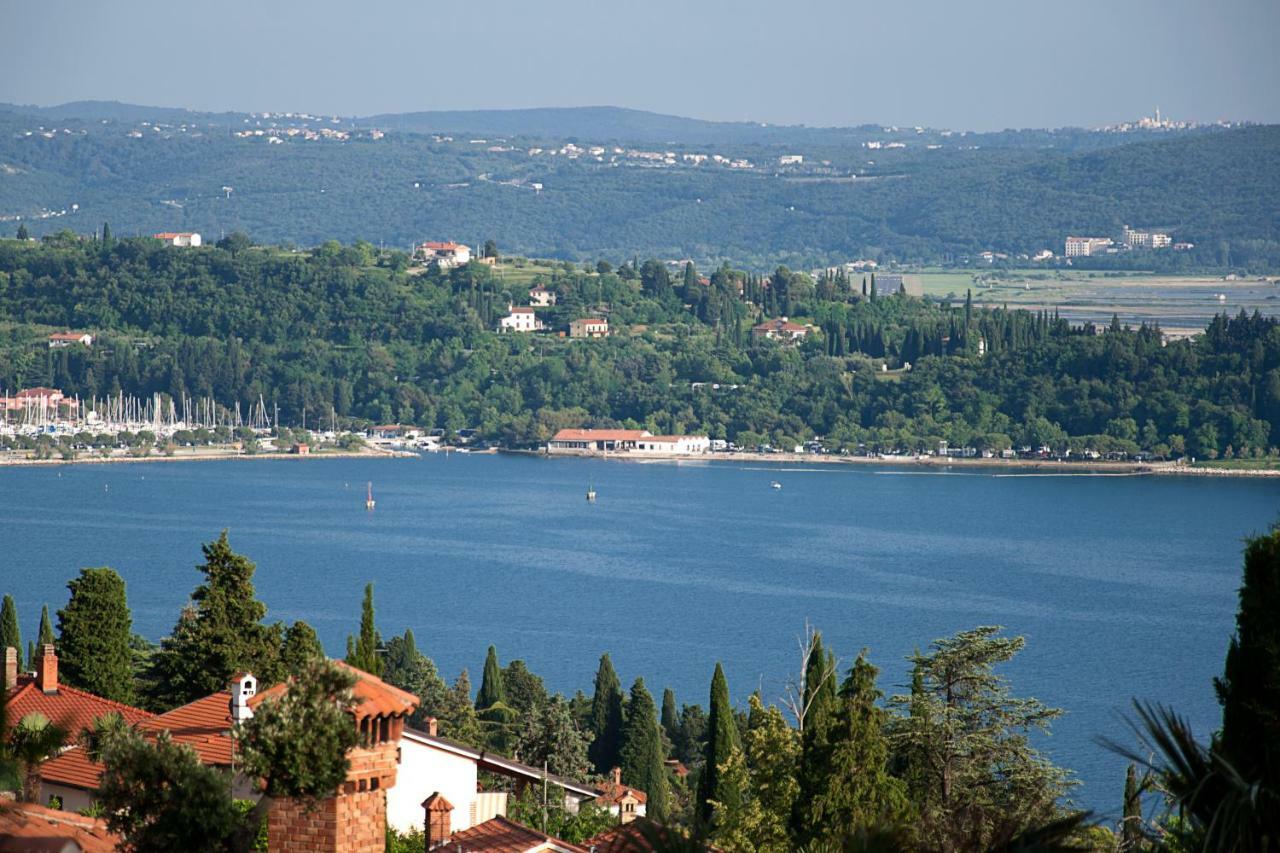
(606, 718)
(106, 235)
(459, 721)
(301, 646)
(982, 778)
(522, 690)
(364, 654)
(46, 628)
(549, 738)
(491, 692)
(641, 754)
(219, 633)
(94, 632)
(1249, 689)
(857, 792)
(670, 716)
(715, 792)
(409, 669)
(10, 633)
(23, 233)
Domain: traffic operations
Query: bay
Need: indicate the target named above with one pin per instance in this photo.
(1123, 586)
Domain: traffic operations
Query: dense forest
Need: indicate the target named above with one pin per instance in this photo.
(940, 197)
(355, 333)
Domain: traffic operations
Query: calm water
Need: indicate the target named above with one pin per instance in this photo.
(1123, 586)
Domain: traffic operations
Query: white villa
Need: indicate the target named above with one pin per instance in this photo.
(519, 318)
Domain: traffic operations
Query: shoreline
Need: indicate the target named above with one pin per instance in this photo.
(1014, 467)
(9, 461)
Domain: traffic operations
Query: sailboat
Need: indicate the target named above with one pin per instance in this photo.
(591, 494)
(368, 501)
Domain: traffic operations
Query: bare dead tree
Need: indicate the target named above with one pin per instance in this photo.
(798, 695)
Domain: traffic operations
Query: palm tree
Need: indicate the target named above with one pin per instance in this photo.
(33, 740)
(1219, 807)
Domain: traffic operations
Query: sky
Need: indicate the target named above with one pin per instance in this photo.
(962, 64)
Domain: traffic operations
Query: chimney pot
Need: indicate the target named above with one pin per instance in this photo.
(433, 727)
(47, 674)
(10, 667)
(617, 775)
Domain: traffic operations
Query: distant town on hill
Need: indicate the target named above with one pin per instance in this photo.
(584, 183)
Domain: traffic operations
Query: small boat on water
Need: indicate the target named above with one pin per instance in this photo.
(591, 494)
(369, 503)
(774, 484)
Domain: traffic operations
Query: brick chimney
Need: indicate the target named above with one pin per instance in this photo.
(433, 727)
(438, 819)
(10, 667)
(617, 775)
(47, 673)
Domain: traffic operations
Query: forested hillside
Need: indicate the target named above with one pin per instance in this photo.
(352, 331)
(940, 198)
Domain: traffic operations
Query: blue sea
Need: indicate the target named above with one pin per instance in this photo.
(1122, 586)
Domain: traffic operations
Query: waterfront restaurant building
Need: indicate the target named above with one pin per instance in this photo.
(639, 441)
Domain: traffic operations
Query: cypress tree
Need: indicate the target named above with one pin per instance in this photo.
(641, 754)
(1249, 689)
(10, 634)
(722, 742)
(46, 627)
(1131, 824)
(820, 705)
(491, 692)
(670, 716)
(605, 721)
(94, 632)
(364, 654)
(856, 791)
(301, 646)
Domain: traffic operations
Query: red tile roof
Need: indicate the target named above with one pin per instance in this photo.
(780, 326)
(67, 336)
(500, 835)
(73, 709)
(611, 793)
(374, 697)
(38, 392)
(441, 247)
(635, 837)
(29, 827)
(600, 435)
(205, 726)
(520, 309)
(169, 235)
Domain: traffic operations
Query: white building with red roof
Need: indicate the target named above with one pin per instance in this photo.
(780, 329)
(520, 318)
(444, 255)
(637, 441)
(58, 340)
(589, 327)
(183, 239)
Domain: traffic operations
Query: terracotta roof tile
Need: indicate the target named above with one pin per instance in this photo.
(612, 792)
(501, 835)
(635, 837)
(373, 696)
(69, 707)
(600, 435)
(27, 826)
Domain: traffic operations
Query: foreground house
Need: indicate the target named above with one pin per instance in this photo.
(30, 827)
(40, 692)
(497, 835)
(434, 766)
(638, 441)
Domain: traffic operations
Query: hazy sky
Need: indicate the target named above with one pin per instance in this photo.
(980, 64)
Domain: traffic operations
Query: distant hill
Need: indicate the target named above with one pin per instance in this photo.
(603, 124)
(890, 194)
